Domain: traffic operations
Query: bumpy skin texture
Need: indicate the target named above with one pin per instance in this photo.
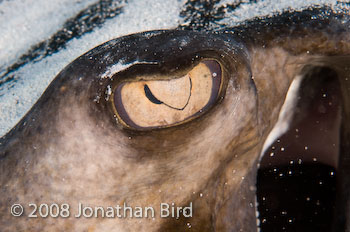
(70, 149)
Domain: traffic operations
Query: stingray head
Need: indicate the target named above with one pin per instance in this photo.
(186, 117)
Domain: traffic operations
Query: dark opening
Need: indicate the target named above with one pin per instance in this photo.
(296, 181)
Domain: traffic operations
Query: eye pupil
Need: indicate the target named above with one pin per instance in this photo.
(150, 96)
(157, 102)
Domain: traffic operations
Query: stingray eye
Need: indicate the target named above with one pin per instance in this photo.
(164, 101)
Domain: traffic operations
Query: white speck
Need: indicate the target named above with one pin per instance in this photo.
(300, 161)
(97, 99)
(291, 162)
(189, 225)
(183, 43)
(201, 194)
(214, 74)
(108, 92)
(331, 173)
(314, 159)
(272, 154)
(282, 148)
(306, 148)
(252, 188)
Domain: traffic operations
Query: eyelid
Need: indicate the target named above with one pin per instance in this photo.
(132, 116)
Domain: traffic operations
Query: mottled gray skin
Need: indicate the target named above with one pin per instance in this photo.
(70, 149)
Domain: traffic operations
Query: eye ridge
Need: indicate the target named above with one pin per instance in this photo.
(155, 100)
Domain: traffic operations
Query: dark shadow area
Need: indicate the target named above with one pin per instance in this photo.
(296, 183)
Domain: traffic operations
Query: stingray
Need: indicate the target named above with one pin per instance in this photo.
(182, 117)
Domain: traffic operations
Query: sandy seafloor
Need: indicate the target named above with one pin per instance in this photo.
(29, 59)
